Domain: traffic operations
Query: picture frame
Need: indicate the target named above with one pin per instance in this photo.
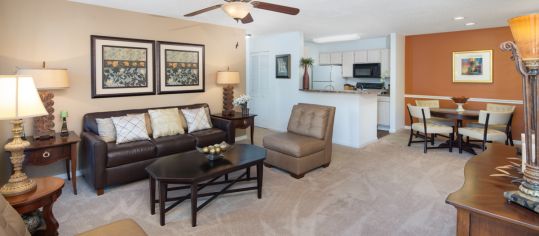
(180, 68)
(282, 66)
(472, 66)
(122, 66)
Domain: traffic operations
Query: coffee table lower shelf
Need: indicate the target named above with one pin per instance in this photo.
(195, 187)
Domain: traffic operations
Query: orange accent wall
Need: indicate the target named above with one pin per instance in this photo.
(429, 69)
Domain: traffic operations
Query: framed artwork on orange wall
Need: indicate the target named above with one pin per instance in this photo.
(472, 67)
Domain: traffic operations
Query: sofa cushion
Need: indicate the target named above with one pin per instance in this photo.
(209, 136)
(119, 154)
(293, 144)
(174, 144)
(309, 121)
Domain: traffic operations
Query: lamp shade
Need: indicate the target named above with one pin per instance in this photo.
(19, 98)
(228, 77)
(525, 31)
(237, 10)
(47, 79)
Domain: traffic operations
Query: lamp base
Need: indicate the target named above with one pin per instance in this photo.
(18, 182)
(228, 96)
(523, 199)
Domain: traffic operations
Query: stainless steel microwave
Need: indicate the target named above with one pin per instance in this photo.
(367, 70)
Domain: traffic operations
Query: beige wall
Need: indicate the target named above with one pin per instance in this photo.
(58, 32)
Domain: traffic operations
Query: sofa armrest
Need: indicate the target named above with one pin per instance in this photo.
(225, 125)
(93, 159)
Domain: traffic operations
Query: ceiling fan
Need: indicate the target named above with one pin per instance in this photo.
(240, 9)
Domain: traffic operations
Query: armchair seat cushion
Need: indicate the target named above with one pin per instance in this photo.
(125, 153)
(293, 144)
(432, 128)
(126, 227)
(208, 136)
(173, 144)
(477, 133)
(478, 125)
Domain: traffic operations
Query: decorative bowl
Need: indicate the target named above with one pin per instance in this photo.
(461, 100)
(216, 151)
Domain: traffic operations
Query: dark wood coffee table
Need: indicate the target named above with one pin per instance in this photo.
(192, 170)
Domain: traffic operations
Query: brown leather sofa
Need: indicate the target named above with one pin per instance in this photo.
(308, 143)
(105, 164)
(11, 224)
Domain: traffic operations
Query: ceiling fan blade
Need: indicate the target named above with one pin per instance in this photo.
(275, 7)
(247, 19)
(203, 10)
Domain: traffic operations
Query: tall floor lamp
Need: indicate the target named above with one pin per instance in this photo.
(46, 80)
(525, 50)
(18, 100)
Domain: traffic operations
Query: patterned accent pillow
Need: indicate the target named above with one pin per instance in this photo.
(196, 119)
(106, 130)
(165, 122)
(184, 122)
(147, 121)
(130, 128)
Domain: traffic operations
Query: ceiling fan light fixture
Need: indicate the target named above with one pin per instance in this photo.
(337, 38)
(237, 10)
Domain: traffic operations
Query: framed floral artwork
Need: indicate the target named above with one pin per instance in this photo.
(472, 67)
(180, 68)
(122, 67)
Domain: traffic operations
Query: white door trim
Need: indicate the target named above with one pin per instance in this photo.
(503, 101)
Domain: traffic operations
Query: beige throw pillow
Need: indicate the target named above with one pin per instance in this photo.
(106, 130)
(197, 119)
(165, 122)
(147, 121)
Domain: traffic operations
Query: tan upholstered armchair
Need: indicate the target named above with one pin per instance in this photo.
(306, 145)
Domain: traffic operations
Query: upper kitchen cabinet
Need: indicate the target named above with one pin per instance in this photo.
(333, 58)
(385, 61)
(374, 56)
(360, 57)
(347, 64)
(325, 59)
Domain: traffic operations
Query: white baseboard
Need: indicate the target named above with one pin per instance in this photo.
(241, 138)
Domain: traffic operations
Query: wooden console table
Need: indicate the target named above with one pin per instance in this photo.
(481, 206)
(47, 191)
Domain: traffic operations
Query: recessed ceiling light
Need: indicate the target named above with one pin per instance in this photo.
(458, 18)
(337, 38)
(469, 24)
(248, 36)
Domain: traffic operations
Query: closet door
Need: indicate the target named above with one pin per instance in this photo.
(258, 82)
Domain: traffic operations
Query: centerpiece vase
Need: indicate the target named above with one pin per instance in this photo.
(244, 109)
(305, 78)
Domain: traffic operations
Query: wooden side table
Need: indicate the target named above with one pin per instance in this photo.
(47, 191)
(44, 152)
(240, 121)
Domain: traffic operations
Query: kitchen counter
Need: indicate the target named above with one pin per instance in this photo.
(364, 91)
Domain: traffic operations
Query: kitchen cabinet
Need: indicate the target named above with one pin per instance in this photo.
(330, 58)
(360, 57)
(385, 62)
(347, 64)
(383, 112)
(325, 59)
(374, 56)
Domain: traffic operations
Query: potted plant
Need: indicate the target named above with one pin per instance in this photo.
(306, 62)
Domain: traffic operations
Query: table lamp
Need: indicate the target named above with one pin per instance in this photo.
(525, 50)
(229, 79)
(46, 80)
(18, 99)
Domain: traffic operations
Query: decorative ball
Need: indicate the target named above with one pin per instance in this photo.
(212, 151)
(205, 150)
(217, 150)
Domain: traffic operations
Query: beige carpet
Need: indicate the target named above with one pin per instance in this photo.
(385, 188)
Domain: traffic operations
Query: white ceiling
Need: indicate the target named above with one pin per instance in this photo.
(369, 18)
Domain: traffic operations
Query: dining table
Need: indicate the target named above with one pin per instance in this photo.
(458, 117)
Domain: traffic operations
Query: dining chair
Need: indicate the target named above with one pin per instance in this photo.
(422, 115)
(507, 128)
(434, 104)
(486, 133)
